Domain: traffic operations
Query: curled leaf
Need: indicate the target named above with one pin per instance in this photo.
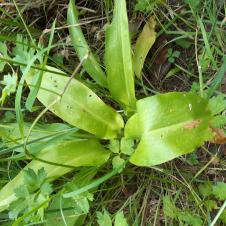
(144, 43)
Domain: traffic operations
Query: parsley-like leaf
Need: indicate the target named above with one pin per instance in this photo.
(21, 191)
(217, 104)
(218, 121)
(33, 194)
(117, 162)
(169, 207)
(205, 189)
(190, 219)
(223, 217)
(173, 212)
(10, 83)
(219, 190)
(23, 52)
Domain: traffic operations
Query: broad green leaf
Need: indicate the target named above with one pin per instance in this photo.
(73, 153)
(78, 40)
(170, 125)
(164, 110)
(118, 58)
(144, 43)
(163, 106)
(79, 106)
(54, 217)
(132, 127)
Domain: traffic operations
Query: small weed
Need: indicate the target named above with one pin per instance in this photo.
(172, 55)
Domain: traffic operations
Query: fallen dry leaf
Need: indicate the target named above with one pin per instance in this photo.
(161, 57)
(219, 136)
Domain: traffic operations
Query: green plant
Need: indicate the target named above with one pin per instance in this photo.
(145, 134)
(27, 199)
(172, 55)
(212, 196)
(104, 219)
(146, 5)
(184, 217)
(10, 83)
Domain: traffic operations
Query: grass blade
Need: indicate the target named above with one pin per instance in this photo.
(19, 115)
(33, 93)
(218, 79)
(206, 42)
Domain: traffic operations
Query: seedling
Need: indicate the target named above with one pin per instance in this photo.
(172, 55)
